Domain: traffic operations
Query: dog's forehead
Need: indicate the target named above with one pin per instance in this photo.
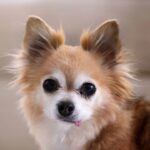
(71, 62)
(69, 58)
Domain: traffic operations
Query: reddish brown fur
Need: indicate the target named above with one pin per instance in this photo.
(131, 128)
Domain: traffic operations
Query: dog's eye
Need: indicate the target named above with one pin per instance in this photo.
(87, 89)
(51, 85)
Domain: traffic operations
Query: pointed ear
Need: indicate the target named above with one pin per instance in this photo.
(104, 41)
(40, 39)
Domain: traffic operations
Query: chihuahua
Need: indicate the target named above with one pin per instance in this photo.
(80, 97)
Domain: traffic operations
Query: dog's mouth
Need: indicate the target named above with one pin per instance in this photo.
(72, 120)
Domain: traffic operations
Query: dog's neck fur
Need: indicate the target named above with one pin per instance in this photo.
(56, 135)
(117, 135)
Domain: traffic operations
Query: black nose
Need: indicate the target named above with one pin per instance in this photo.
(65, 108)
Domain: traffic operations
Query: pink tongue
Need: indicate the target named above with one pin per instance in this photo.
(77, 123)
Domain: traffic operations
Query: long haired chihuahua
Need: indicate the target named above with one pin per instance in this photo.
(80, 97)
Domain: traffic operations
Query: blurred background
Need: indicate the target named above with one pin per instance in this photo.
(74, 16)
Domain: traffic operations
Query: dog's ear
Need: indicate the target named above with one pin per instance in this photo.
(40, 39)
(104, 40)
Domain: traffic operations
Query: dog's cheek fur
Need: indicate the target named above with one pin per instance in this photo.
(32, 111)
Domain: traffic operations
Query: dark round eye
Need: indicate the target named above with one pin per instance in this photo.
(87, 89)
(51, 85)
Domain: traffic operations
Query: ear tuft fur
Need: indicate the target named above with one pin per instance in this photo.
(84, 40)
(59, 37)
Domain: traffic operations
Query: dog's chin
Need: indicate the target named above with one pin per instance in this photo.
(70, 120)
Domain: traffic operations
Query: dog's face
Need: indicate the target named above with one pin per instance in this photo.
(70, 90)
(72, 84)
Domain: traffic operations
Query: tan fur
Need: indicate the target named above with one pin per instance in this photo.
(32, 110)
(116, 125)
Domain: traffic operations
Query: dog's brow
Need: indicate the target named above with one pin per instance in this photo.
(81, 78)
(59, 76)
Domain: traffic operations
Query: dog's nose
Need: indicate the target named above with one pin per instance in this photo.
(65, 108)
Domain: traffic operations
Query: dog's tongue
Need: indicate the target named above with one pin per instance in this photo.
(77, 123)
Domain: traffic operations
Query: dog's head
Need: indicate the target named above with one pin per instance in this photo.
(73, 84)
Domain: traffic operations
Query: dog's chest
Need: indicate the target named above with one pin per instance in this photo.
(53, 137)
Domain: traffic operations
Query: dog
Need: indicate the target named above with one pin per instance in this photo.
(80, 97)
